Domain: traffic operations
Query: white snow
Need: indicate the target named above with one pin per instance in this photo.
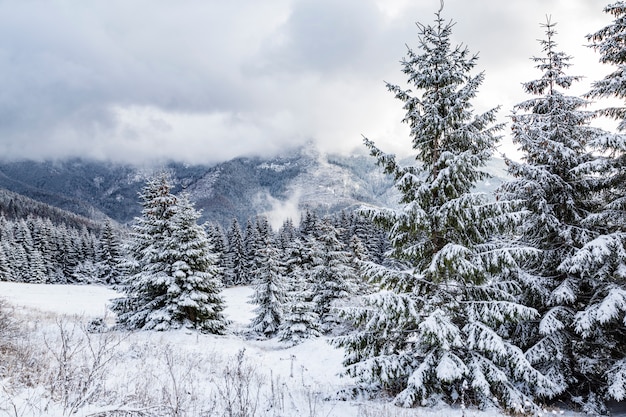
(238, 308)
(81, 300)
(308, 373)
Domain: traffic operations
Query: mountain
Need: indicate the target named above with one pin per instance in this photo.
(16, 206)
(97, 190)
(278, 187)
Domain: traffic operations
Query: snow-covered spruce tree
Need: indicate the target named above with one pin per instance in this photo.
(331, 276)
(572, 280)
(437, 329)
(252, 243)
(196, 281)
(5, 270)
(146, 290)
(258, 233)
(300, 321)
(270, 292)
(610, 42)
(358, 259)
(44, 243)
(234, 256)
(308, 223)
(599, 265)
(110, 255)
(217, 239)
(176, 283)
(286, 235)
(36, 270)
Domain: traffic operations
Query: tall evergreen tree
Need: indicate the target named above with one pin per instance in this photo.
(264, 229)
(34, 270)
(68, 254)
(598, 317)
(5, 269)
(270, 293)
(332, 276)
(300, 320)
(258, 231)
(251, 241)
(45, 241)
(308, 223)
(287, 234)
(110, 255)
(217, 237)
(565, 279)
(146, 291)
(177, 283)
(610, 42)
(291, 249)
(437, 330)
(234, 257)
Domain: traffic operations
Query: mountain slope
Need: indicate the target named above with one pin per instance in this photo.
(279, 187)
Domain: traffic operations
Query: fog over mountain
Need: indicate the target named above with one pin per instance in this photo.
(279, 187)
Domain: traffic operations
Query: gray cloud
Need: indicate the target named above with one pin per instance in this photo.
(323, 36)
(202, 81)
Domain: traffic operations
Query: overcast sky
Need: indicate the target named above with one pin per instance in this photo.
(206, 80)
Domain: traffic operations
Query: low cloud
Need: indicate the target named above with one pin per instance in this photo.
(283, 210)
(201, 82)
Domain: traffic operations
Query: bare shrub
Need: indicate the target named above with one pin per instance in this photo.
(11, 352)
(8, 324)
(239, 388)
(77, 374)
(21, 365)
(181, 387)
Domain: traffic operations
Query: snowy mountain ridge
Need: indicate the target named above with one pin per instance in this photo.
(240, 188)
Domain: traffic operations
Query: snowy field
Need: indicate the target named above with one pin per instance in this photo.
(178, 373)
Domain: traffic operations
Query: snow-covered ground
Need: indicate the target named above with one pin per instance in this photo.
(84, 300)
(190, 372)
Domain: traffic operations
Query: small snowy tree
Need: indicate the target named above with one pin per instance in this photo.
(234, 256)
(300, 320)
(269, 291)
(193, 293)
(177, 283)
(437, 328)
(146, 290)
(332, 276)
(110, 255)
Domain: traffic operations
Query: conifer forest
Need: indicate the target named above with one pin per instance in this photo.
(513, 300)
